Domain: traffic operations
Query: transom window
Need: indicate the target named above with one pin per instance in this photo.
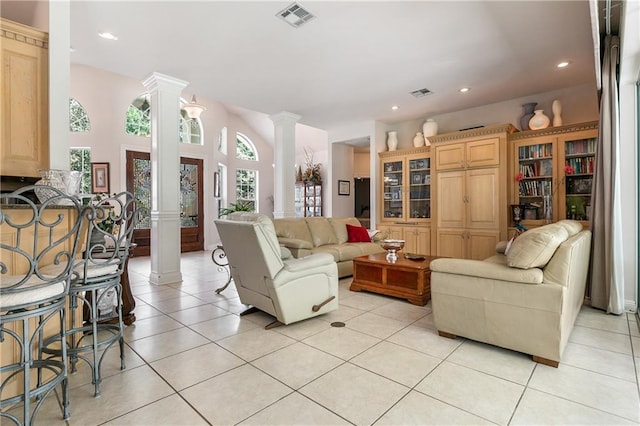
(80, 160)
(138, 122)
(78, 118)
(245, 150)
(247, 187)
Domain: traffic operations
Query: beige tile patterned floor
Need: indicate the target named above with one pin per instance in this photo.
(192, 360)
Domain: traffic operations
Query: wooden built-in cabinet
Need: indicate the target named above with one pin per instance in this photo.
(471, 192)
(552, 172)
(308, 199)
(10, 351)
(405, 198)
(24, 121)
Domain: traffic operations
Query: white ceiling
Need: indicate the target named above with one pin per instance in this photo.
(351, 63)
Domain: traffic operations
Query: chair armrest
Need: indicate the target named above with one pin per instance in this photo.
(481, 269)
(293, 243)
(308, 262)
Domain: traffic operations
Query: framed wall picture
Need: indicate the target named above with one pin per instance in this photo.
(100, 178)
(344, 187)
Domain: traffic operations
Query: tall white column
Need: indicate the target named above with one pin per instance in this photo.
(59, 83)
(165, 177)
(284, 159)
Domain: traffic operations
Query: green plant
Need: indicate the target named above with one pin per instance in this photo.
(241, 206)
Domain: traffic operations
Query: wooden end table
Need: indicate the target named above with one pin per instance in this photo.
(408, 279)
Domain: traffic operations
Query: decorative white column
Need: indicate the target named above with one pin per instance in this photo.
(60, 83)
(284, 159)
(165, 177)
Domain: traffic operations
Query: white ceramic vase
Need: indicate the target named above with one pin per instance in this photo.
(418, 140)
(539, 120)
(392, 141)
(429, 128)
(556, 107)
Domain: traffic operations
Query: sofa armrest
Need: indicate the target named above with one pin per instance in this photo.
(481, 269)
(308, 262)
(379, 237)
(293, 243)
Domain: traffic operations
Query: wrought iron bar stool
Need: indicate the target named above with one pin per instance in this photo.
(96, 288)
(34, 236)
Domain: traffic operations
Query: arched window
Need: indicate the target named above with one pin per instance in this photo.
(245, 150)
(190, 128)
(78, 118)
(138, 122)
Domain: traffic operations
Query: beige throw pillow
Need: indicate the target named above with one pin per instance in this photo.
(534, 248)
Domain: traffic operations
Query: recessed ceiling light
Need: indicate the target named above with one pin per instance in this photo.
(395, 107)
(464, 90)
(108, 36)
(563, 64)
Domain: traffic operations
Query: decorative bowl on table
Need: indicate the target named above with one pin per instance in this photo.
(392, 247)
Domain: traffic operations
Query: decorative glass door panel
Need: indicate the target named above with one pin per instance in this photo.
(579, 159)
(189, 195)
(393, 189)
(191, 206)
(420, 188)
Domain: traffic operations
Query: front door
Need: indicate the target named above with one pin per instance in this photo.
(191, 203)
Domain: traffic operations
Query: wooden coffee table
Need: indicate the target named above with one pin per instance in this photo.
(409, 279)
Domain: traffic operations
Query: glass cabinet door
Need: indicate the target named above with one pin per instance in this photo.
(579, 159)
(419, 188)
(393, 176)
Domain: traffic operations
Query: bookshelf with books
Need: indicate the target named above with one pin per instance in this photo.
(552, 172)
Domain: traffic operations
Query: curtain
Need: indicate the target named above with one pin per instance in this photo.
(606, 277)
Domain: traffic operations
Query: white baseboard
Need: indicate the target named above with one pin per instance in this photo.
(630, 306)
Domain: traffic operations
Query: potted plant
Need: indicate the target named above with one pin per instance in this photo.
(241, 206)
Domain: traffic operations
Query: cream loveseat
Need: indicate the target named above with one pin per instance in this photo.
(311, 235)
(526, 300)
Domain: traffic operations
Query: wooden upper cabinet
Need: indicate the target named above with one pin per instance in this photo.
(483, 153)
(450, 157)
(479, 153)
(24, 116)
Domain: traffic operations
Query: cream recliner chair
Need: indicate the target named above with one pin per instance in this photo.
(289, 289)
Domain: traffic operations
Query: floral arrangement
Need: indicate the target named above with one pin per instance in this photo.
(312, 173)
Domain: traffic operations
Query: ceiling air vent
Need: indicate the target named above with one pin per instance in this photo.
(295, 15)
(420, 93)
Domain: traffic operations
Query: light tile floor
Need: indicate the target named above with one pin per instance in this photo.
(192, 360)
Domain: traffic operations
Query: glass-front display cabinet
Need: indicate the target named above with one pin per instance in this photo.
(406, 188)
(308, 199)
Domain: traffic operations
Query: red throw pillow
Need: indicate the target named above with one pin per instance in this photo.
(358, 234)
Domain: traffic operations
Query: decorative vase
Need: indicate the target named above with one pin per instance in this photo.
(539, 120)
(429, 128)
(392, 141)
(418, 140)
(528, 113)
(63, 180)
(556, 107)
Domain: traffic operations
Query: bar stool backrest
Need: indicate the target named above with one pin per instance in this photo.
(110, 225)
(35, 236)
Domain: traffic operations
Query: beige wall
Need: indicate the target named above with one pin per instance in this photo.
(106, 97)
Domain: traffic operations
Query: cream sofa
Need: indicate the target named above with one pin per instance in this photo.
(311, 235)
(526, 300)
